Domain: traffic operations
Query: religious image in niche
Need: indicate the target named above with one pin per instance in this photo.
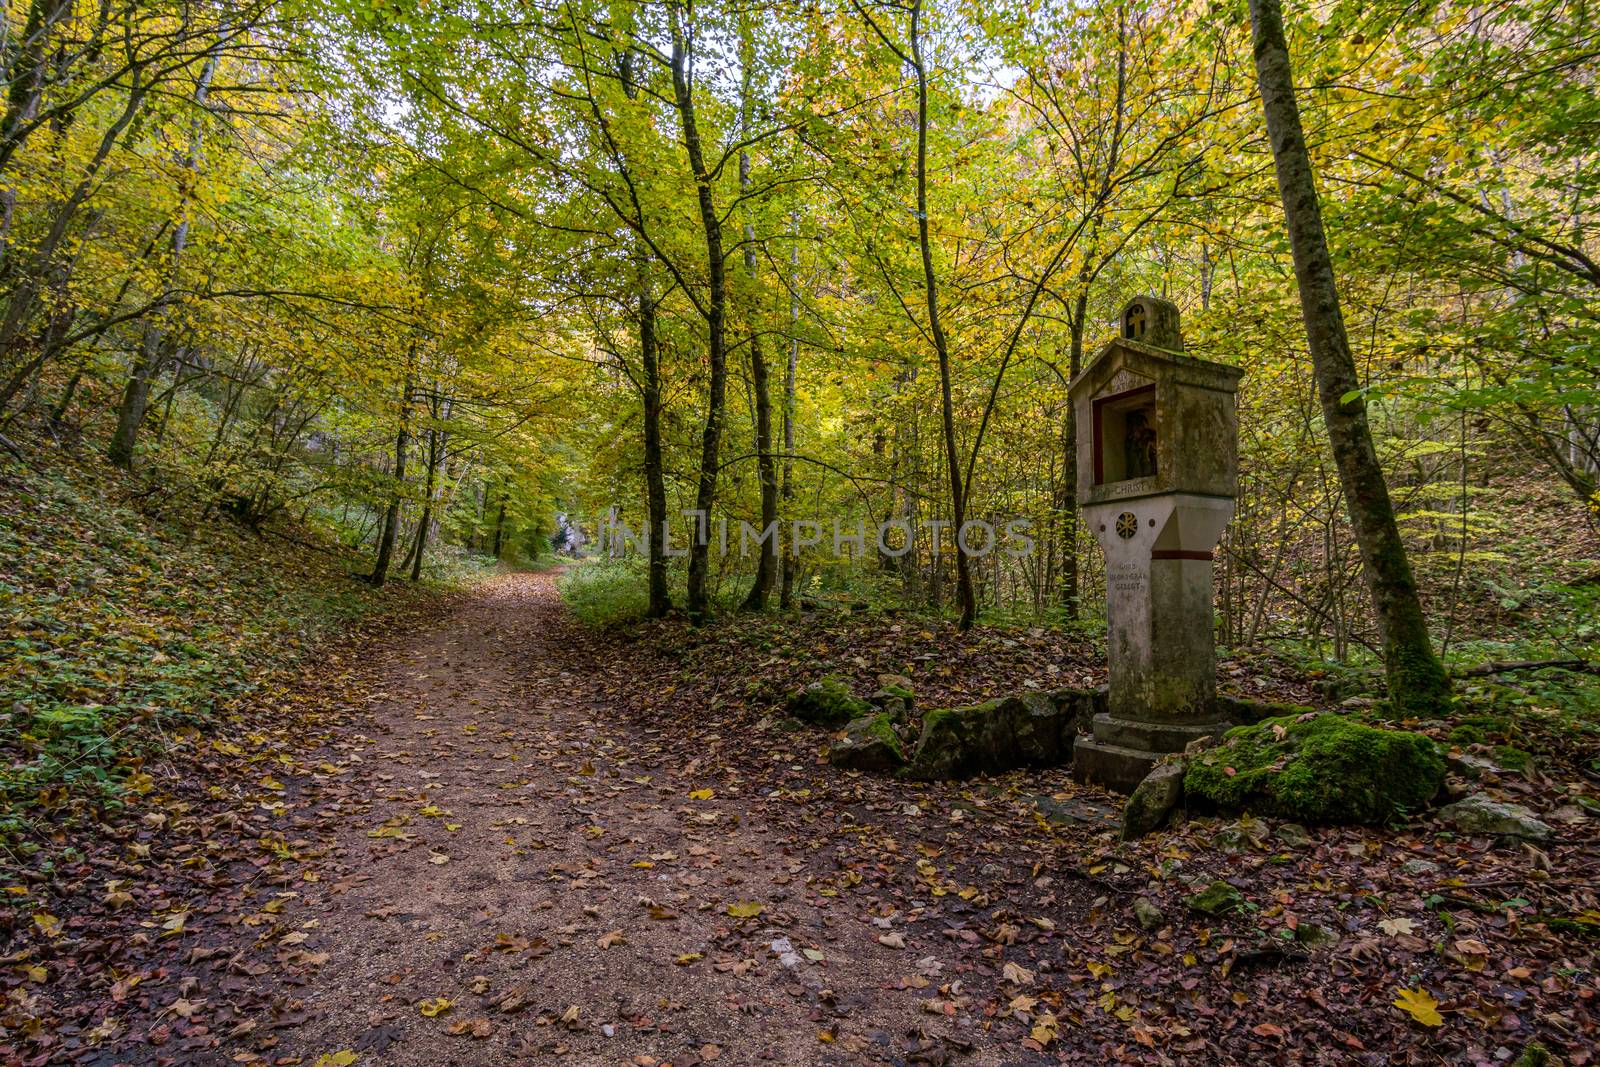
(1139, 444)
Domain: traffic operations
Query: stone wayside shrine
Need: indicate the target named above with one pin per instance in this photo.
(1157, 476)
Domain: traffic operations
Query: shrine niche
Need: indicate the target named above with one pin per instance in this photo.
(1125, 436)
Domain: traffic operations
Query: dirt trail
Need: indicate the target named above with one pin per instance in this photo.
(509, 842)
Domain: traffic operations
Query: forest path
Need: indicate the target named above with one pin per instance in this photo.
(509, 841)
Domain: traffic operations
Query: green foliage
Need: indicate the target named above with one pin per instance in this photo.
(606, 592)
(1325, 769)
(119, 630)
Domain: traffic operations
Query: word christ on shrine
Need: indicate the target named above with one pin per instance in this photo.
(1157, 476)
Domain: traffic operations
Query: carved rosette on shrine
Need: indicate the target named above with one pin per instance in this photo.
(1157, 476)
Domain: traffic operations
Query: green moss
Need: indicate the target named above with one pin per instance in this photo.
(827, 702)
(882, 729)
(1327, 769)
(870, 744)
(1218, 898)
(1511, 758)
(1246, 712)
(1466, 735)
(1418, 685)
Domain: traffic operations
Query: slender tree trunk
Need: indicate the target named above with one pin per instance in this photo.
(699, 599)
(500, 528)
(1070, 581)
(58, 416)
(790, 563)
(391, 518)
(655, 486)
(1417, 682)
(767, 564)
(958, 503)
(27, 68)
(156, 346)
(435, 446)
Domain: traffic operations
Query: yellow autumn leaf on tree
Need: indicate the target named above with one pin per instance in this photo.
(1420, 1006)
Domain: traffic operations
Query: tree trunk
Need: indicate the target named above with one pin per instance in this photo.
(391, 519)
(435, 446)
(156, 346)
(958, 503)
(655, 486)
(500, 528)
(790, 563)
(1070, 582)
(767, 564)
(1417, 682)
(699, 600)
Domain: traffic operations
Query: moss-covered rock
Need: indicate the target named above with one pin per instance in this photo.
(1243, 711)
(1325, 769)
(827, 702)
(1030, 730)
(1153, 801)
(1218, 898)
(894, 695)
(870, 744)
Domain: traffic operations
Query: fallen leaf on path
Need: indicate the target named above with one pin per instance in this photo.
(1420, 1006)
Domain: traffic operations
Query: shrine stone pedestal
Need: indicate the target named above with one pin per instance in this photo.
(1157, 475)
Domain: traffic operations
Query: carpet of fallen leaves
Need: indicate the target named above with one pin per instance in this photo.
(491, 836)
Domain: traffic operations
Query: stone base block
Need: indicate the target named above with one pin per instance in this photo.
(1122, 751)
(1153, 736)
(1113, 766)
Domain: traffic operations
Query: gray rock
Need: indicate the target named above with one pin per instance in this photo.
(1477, 814)
(1292, 835)
(1419, 867)
(1149, 916)
(1590, 806)
(1232, 839)
(869, 744)
(1153, 801)
(1073, 812)
(783, 948)
(1315, 935)
(1471, 766)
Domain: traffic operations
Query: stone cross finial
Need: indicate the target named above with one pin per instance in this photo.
(1152, 321)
